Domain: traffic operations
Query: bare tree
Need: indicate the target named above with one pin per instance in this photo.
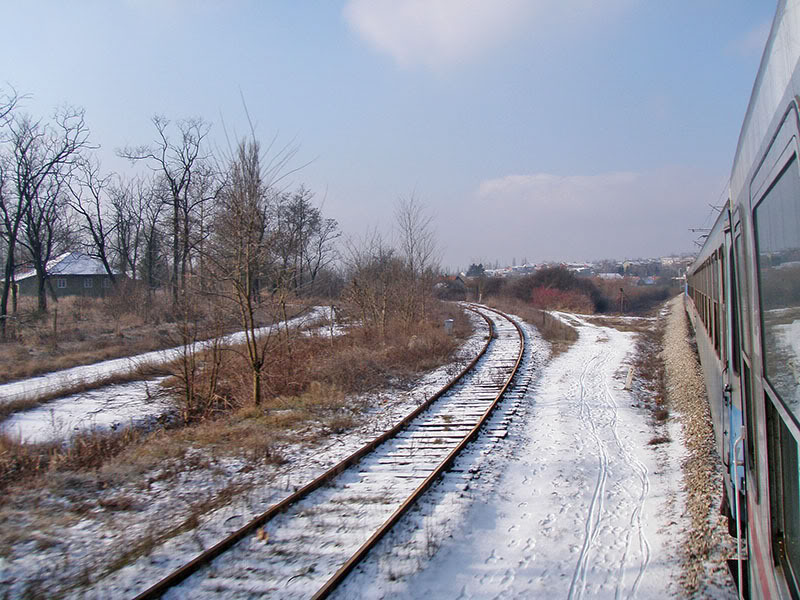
(374, 282)
(321, 250)
(40, 156)
(88, 198)
(306, 238)
(43, 228)
(8, 103)
(178, 160)
(419, 251)
(241, 248)
(129, 204)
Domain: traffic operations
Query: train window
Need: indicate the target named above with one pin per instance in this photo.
(744, 293)
(784, 493)
(750, 425)
(791, 498)
(734, 312)
(777, 226)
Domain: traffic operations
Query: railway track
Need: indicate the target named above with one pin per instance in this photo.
(304, 546)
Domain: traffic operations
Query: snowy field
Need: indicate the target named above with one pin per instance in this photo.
(53, 382)
(110, 406)
(572, 503)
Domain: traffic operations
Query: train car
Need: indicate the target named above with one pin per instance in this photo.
(743, 294)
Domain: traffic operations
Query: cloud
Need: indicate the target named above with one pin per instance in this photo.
(436, 32)
(616, 215)
(542, 188)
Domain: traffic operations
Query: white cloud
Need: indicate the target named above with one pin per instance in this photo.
(573, 190)
(436, 32)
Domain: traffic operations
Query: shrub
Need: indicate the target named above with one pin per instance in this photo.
(562, 279)
(555, 299)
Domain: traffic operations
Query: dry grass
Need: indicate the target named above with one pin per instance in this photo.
(560, 335)
(621, 323)
(305, 397)
(649, 368)
(19, 463)
(659, 439)
(81, 330)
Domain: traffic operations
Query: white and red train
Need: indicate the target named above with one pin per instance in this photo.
(743, 294)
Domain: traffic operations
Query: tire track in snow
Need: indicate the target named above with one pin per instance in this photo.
(598, 419)
(637, 467)
(594, 516)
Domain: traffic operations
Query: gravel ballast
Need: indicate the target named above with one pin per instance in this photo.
(706, 544)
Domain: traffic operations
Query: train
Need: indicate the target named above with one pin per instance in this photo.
(743, 298)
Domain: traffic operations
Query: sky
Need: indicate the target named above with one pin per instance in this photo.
(529, 129)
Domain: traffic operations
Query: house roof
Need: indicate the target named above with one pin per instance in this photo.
(69, 263)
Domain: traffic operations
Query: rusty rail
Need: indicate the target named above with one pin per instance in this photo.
(176, 577)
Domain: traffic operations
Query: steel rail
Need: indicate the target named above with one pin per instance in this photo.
(362, 552)
(158, 589)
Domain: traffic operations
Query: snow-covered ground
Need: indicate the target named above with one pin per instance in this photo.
(53, 547)
(66, 378)
(109, 406)
(574, 503)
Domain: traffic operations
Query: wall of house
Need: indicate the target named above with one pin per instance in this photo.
(95, 286)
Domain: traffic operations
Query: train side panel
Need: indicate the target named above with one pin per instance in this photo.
(760, 371)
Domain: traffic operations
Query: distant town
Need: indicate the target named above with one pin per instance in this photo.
(641, 271)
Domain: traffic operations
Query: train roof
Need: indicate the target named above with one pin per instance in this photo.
(772, 90)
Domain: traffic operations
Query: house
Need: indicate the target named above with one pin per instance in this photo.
(450, 287)
(70, 274)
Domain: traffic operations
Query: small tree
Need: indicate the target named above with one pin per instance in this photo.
(241, 249)
(419, 252)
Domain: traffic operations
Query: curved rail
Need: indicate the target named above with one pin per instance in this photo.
(339, 576)
(203, 559)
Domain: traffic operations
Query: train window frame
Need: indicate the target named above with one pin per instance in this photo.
(735, 337)
(788, 159)
(745, 301)
(777, 429)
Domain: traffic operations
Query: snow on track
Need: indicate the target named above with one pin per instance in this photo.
(298, 550)
(576, 512)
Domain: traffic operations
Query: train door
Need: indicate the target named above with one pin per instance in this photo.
(740, 353)
(775, 198)
(732, 398)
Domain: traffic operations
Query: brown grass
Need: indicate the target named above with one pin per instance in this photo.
(305, 397)
(81, 330)
(659, 439)
(560, 335)
(649, 369)
(88, 451)
(620, 323)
